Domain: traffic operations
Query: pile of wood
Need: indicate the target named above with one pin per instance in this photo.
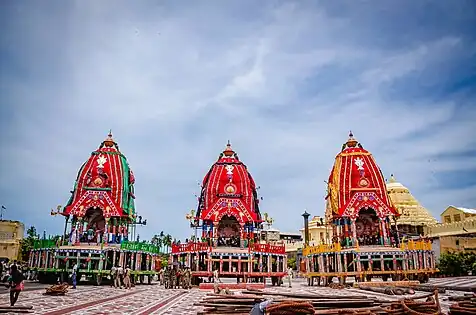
(228, 304)
(388, 290)
(16, 309)
(464, 305)
(302, 304)
(339, 286)
(57, 289)
(283, 303)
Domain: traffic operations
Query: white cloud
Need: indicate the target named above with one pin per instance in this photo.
(284, 83)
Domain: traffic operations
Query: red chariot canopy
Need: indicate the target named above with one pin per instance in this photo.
(104, 181)
(228, 189)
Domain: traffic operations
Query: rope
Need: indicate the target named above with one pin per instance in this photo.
(290, 308)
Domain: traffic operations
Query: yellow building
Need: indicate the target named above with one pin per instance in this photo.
(319, 231)
(11, 234)
(456, 233)
(413, 216)
(457, 214)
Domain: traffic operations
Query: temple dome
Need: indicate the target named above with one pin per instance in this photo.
(356, 182)
(104, 181)
(228, 189)
(410, 210)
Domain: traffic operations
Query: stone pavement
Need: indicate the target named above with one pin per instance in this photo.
(153, 299)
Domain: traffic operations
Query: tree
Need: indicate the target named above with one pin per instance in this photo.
(457, 264)
(167, 242)
(27, 244)
(292, 262)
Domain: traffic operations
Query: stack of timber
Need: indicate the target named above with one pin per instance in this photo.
(302, 304)
(57, 289)
(228, 304)
(16, 309)
(400, 285)
(464, 305)
(388, 290)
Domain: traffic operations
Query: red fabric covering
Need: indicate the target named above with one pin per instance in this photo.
(356, 182)
(99, 184)
(228, 189)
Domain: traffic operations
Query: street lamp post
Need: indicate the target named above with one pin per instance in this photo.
(306, 215)
(193, 222)
(59, 210)
(138, 222)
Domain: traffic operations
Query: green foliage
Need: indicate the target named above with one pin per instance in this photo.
(165, 261)
(27, 244)
(457, 264)
(292, 263)
(162, 241)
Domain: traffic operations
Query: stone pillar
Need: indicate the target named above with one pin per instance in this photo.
(221, 264)
(382, 263)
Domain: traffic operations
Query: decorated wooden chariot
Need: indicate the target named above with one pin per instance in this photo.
(230, 222)
(363, 240)
(99, 226)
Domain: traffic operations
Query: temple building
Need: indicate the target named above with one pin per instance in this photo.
(413, 216)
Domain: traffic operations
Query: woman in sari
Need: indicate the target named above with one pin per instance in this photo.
(16, 284)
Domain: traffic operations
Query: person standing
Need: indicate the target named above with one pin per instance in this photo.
(161, 276)
(73, 275)
(16, 284)
(127, 277)
(188, 278)
(290, 275)
(119, 275)
(113, 276)
(166, 276)
(216, 277)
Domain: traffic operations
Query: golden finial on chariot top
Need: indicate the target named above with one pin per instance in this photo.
(351, 142)
(109, 142)
(228, 150)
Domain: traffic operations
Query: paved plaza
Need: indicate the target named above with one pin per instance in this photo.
(153, 299)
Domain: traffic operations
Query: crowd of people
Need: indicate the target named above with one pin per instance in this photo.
(232, 241)
(121, 277)
(172, 277)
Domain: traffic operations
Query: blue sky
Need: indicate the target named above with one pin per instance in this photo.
(284, 81)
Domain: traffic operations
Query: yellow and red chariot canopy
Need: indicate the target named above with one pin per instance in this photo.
(356, 182)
